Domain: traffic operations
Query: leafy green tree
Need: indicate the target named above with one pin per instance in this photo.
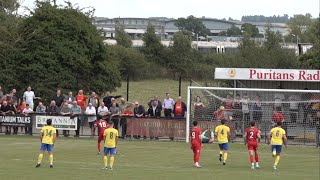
(299, 25)
(66, 51)
(273, 39)
(193, 25)
(181, 57)
(153, 49)
(250, 30)
(122, 38)
(234, 31)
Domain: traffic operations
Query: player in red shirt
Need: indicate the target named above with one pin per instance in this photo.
(102, 125)
(251, 137)
(195, 139)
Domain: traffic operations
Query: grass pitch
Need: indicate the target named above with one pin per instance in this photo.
(144, 160)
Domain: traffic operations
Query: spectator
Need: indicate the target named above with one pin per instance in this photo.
(198, 109)
(278, 98)
(5, 110)
(53, 109)
(1, 92)
(227, 104)
(114, 112)
(245, 103)
(76, 111)
(21, 108)
(127, 111)
(16, 110)
(27, 110)
(159, 104)
(69, 99)
(237, 108)
(179, 108)
(113, 100)
(58, 98)
(65, 111)
(315, 107)
(219, 113)
(81, 100)
(294, 107)
(14, 97)
(154, 110)
(138, 110)
(29, 96)
(168, 104)
(123, 120)
(91, 113)
(41, 109)
(103, 110)
(278, 116)
(107, 99)
(257, 110)
(94, 100)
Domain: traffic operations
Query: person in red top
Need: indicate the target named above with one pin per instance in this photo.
(81, 99)
(179, 108)
(251, 137)
(277, 116)
(102, 126)
(196, 143)
(219, 114)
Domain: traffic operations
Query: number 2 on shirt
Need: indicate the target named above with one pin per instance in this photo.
(251, 135)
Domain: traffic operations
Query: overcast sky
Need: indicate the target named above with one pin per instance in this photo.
(208, 8)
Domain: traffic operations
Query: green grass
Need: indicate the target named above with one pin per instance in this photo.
(144, 91)
(144, 160)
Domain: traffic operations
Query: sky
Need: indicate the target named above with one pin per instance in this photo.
(182, 8)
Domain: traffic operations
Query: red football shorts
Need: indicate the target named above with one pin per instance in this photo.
(196, 148)
(100, 138)
(253, 146)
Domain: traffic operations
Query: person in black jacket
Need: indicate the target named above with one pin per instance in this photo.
(107, 99)
(154, 110)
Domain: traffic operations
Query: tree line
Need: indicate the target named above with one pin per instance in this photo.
(59, 47)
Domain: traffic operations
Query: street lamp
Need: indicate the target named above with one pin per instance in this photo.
(297, 38)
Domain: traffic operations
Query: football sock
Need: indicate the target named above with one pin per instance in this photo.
(276, 161)
(111, 161)
(194, 157)
(105, 160)
(51, 159)
(99, 148)
(197, 157)
(257, 157)
(225, 157)
(251, 158)
(40, 158)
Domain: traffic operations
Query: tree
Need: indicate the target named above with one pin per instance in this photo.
(299, 25)
(193, 25)
(10, 41)
(312, 58)
(181, 57)
(250, 30)
(65, 52)
(273, 39)
(234, 31)
(122, 38)
(153, 48)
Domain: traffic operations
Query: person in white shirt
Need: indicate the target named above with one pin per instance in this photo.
(91, 113)
(278, 98)
(29, 96)
(27, 110)
(245, 101)
(294, 107)
(103, 110)
(168, 104)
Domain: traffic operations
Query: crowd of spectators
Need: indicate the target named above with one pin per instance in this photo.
(87, 108)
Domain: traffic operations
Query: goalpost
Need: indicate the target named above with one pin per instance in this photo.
(299, 109)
